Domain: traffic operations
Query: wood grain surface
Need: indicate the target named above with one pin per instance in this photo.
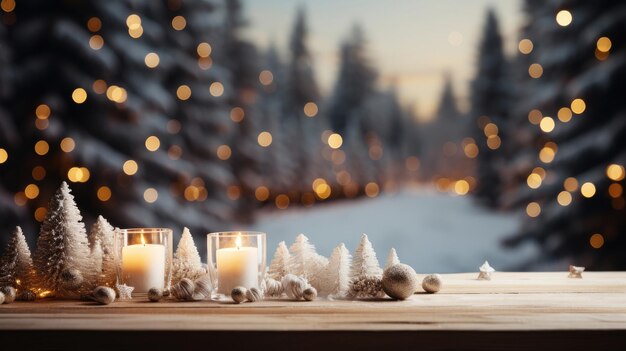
(513, 310)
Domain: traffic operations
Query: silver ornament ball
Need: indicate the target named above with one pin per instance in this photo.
(155, 294)
(238, 294)
(103, 295)
(400, 281)
(71, 278)
(309, 293)
(9, 293)
(432, 283)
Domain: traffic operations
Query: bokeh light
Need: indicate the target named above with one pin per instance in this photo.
(564, 18)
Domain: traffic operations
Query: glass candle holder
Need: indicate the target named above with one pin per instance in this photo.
(144, 258)
(236, 259)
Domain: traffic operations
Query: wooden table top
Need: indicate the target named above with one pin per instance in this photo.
(539, 306)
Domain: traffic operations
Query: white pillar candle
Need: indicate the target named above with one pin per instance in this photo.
(237, 266)
(143, 266)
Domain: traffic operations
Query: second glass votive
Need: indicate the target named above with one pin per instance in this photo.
(236, 259)
(144, 258)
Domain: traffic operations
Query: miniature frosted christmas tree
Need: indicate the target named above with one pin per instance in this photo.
(104, 259)
(62, 258)
(16, 265)
(187, 263)
(365, 273)
(279, 267)
(305, 262)
(392, 258)
(337, 277)
(97, 264)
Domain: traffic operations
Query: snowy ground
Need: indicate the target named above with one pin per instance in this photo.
(432, 232)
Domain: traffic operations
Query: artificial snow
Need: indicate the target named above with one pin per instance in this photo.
(432, 232)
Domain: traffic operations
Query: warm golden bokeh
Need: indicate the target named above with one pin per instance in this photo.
(204, 49)
(152, 59)
(41, 147)
(535, 70)
(79, 95)
(237, 114)
(564, 114)
(224, 152)
(564, 198)
(266, 77)
(596, 241)
(335, 141)
(588, 189)
(183, 92)
(578, 106)
(372, 189)
(533, 209)
(264, 139)
(152, 143)
(150, 195)
(262, 193)
(104, 193)
(615, 172)
(310, 109)
(570, 184)
(525, 46)
(547, 124)
(534, 181)
(216, 89)
(130, 167)
(282, 201)
(564, 18)
(67, 144)
(179, 22)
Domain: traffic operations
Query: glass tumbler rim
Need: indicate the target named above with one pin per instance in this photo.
(135, 230)
(233, 233)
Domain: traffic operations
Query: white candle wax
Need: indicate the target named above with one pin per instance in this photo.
(237, 266)
(143, 266)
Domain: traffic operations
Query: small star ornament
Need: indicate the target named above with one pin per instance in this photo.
(124, 291)
(576, 272)
(485, 271)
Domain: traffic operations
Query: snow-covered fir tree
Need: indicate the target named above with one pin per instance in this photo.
(97, 256)
(491, 105)
(580, 195)
(62, 245)
(187, 263)
(279, 267)
(392, 258)
(365, 272)
(305, 262)
(16, 264)
(364, 261)
(336, 280)
(102, 244)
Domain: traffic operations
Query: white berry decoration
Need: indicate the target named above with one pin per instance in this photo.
(432, 283)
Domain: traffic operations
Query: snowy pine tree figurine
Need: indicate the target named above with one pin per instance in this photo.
(187, 263)
(101, 241)
(16, 265)
(337, 276)
(392, 258)
(305, 262)
(62, 249)
(279, 267)
(365, 273)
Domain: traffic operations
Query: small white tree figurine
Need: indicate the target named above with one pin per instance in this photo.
(365, 274)
(101, 241)
(16, 265)
(187, 263)
(392, 258)
(96, 261)
(279, 267)
(305, 262)
(337, 276)
(62, 257)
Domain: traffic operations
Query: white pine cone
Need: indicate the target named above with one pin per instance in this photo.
(366, 287)
(273, 288)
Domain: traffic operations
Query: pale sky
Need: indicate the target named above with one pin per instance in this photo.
(411, 42)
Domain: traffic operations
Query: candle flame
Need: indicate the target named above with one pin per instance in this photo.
(238, 241)
(143, 240)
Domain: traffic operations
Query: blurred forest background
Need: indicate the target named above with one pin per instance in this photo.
(167, 113)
